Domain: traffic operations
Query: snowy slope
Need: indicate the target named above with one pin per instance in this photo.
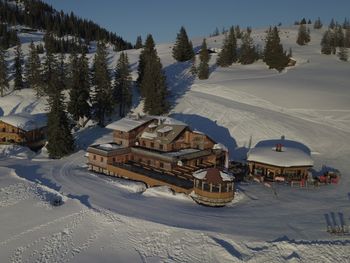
(237, 106)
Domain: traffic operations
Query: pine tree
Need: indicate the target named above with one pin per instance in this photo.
(147, 50)
(303, 21)
(318, 24)
(62, 72)
(339, 38)
(204, 57)
(50, 67)
(228, 54)
(60, 141)
(153, 85)
(343, 54)
(102, 99)
(303, 35)
(4, 84)
(33, 71)
(332, 24)
(274, 55)
(347, 38)
(238, 32)
(326, 43)
(183, 49)
(79, 88)
(247, 52)
(346, 24)
(138, 43)
(19, 84)
(122, 84)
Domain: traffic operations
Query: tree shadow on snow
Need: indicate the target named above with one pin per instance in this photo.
(32, 173)
(85, 137)
(218, 133)
(179, 80)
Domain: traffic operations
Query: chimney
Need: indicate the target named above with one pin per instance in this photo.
(278, 147)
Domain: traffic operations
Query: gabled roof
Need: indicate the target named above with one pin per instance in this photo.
(163, 133)
(26, 121)
(129, 123)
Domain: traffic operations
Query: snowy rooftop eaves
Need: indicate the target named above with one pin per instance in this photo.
(129, 123)
(288, 157)
(203, 175)
(25, 121)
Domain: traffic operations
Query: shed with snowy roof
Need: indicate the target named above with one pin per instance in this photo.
(213, 187)
(279, 163)
(24, 129)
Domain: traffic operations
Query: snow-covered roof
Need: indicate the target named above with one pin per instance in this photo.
(129, 123)
(149, 135)
(287, 157)
(203, 174)
(220, 146)
(25, 121)
(165, 129)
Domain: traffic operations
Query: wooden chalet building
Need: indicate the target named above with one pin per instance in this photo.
(24, 129)
(157, 151)
(279, 163)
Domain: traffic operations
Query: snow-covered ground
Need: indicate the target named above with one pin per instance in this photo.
(108, 219)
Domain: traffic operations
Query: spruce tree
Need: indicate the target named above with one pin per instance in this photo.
(122, 92)
(274, 55)
(33, 71)
(60, 141)
(204, 57)
(138, 43)
(153, 85)
(318, 24)
(332, 24)
(303, 21)
(343, 54)
(62, 72)
(347, 38)
(17, 66)
(326, 43)
(228, 54)
(79, 88)
(147, 50)
(303, 35)
(4, 84)
(183, 49)
(50, 68)
(247, 52)
(102, 99)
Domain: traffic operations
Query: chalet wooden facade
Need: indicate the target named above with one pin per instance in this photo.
(161, 151)
(24, 129)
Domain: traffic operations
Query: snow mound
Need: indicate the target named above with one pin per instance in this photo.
(16, 151)
(165, 192)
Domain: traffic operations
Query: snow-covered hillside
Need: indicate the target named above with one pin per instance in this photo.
(108, 219)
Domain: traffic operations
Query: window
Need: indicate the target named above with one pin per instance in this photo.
(148, 162)
(114, 159)
(4, 129)
(161, 146)
(101, 159)
(152, 144)
(161, 165)
(94, 157)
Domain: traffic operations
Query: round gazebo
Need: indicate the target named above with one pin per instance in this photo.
(213, 187)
